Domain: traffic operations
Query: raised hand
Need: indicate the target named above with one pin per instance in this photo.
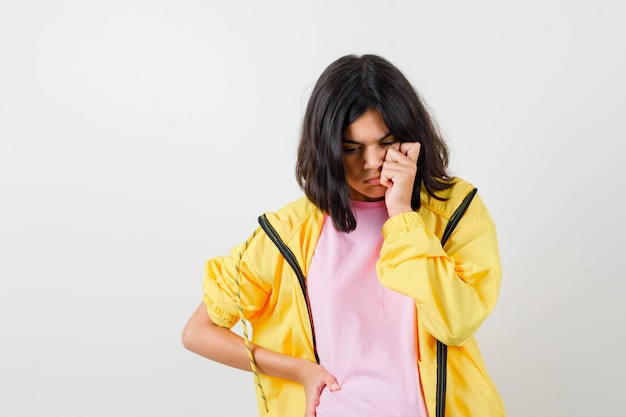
(398, 175)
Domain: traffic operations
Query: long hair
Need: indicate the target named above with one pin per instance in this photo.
(346, 89)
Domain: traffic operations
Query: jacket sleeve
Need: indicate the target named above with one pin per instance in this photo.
(220, 285)
(456, 287)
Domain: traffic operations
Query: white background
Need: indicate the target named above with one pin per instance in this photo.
(138, 139)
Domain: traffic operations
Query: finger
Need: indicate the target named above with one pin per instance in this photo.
(391, 174)
(333, 384)
(393, 155)
(386, 178)
(405, 164)
(411, 150)
(406, 156)
(312, 402)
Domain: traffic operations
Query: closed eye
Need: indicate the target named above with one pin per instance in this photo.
(388, 143)
(350, 149)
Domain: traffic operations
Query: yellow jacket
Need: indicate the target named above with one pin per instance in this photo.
(455, 288)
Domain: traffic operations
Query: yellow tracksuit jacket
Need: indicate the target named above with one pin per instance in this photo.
(454, 288)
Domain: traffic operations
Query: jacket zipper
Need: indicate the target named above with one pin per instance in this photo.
(442, 349)
(291, 260)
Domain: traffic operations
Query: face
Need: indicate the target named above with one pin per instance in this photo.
(364, 144)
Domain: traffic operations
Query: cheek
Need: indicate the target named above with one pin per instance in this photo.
(349, 166)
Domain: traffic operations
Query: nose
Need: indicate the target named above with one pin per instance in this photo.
(373, 157)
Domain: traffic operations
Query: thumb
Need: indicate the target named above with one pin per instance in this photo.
(330, 381)
(333, 384)
(313, 398)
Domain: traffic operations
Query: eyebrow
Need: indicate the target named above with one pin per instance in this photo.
(346, 140)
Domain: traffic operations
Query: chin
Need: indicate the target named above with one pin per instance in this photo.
(367, 195)
(376, 196)
(382, 197)
(373, 197)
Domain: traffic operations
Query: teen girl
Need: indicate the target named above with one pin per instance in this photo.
(348, 289)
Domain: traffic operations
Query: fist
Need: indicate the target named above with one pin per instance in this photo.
(398, 175)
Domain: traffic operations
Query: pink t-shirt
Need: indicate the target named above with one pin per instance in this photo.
(365, 333)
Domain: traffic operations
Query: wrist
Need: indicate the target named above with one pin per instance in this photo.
(394, 211)
(300, 370)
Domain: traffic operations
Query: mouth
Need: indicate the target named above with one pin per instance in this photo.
(373, 180)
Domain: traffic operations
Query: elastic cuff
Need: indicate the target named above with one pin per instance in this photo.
(218, 315)
(401, 222)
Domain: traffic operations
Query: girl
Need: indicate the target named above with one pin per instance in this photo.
(349, 288)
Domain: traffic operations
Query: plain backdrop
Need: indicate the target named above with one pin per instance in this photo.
(140, 138)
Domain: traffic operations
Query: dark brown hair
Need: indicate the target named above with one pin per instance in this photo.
(346, 89)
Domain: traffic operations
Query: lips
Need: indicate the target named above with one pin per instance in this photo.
(373, 181)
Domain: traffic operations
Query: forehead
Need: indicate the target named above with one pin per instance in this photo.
(369, 127)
